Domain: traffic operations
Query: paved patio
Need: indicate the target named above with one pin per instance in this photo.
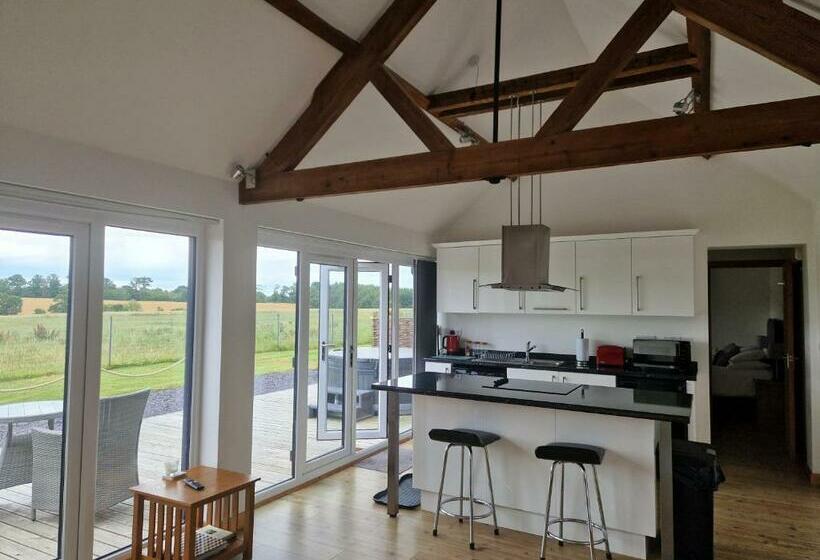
(160, 439)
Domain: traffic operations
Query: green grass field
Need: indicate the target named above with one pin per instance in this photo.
(135, 345)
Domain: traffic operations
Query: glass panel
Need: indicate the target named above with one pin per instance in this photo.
(371, 352)
(274, 387)
(34, 318)
(143, 381)
(407, 333)
(326, 358)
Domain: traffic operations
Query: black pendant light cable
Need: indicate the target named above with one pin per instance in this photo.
(497, 69)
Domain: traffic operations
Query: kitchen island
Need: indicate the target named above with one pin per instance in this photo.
(629, 423)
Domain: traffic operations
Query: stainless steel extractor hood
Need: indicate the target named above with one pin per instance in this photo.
(525, 259)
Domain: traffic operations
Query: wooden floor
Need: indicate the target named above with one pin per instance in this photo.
(763, 511)
(160, 440)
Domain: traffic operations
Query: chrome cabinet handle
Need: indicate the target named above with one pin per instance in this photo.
(520, 301)
(551, 308)
(638, 293)
(475, 284)
(554, 378)
(564, 379)
(581, 292)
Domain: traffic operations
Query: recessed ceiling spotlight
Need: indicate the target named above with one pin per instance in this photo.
(239, 174)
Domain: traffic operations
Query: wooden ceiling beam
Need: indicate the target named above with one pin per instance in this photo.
(614, 58)
(295, 10)
(344, 82)
(753, 127)
(649, 67)
(773, 29)
(700, 43)
(410, 112)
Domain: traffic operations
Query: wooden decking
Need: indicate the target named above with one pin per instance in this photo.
(160, 440)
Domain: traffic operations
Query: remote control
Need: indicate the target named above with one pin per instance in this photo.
(190, 482)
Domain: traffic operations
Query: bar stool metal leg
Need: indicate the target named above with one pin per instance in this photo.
(472, 503)
(601, 510)
(441, 489)
(561, 525)
(492, 495)
(461, 494)
(589, 514)
(547, 513)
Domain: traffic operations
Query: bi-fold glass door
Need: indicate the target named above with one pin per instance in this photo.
(44, 269)
(326, 360)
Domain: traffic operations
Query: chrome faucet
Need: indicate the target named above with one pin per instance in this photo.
(530, 348)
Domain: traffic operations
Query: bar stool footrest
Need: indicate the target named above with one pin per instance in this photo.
(466, 515)
(582, 522)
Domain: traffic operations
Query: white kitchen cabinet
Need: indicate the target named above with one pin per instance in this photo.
(663, 279)
(457, 280)
(603, 276)
(531, 374)
(562, 273)
(438, 367)
(596, 379)
(492, 300)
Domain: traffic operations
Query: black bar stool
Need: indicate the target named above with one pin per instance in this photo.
(580, 455)
(468, 439)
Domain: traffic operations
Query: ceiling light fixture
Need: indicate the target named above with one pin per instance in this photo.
(687, 104)
(249, 175)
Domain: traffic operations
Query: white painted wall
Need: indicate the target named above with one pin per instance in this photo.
(742, 301)
(729, 203)
(229, 282)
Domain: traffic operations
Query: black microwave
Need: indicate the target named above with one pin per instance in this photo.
(661, 352)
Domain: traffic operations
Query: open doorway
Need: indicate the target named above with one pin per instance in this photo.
(756, 340)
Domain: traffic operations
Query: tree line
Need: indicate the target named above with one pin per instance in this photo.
(15, 287)
(368, 295)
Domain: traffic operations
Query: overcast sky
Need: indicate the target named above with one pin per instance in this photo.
(128, 253)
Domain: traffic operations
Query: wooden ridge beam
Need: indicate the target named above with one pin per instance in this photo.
(779, 32)
(409, 110)
(753, 127)
(649, 67)
(344, 82)
(614, 58)
(700, 43)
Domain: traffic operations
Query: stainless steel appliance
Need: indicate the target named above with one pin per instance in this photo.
(661, 352)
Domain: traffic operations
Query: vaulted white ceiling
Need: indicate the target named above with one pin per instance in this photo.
(200, 84)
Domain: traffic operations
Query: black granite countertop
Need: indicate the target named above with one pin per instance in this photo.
(629, 403)
(570, 365)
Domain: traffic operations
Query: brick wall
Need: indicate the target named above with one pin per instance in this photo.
(406, 331)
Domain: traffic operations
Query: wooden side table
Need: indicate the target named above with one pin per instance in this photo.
(176, 511)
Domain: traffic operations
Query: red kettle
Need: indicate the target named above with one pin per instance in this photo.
(452, 343)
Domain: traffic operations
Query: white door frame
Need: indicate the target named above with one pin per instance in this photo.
(303, 466)
(383, 269)
(76, 390)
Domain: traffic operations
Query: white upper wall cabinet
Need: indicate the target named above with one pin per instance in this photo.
(457, 280)
(663, 277)
(491, 300)
(603, 276)
(645, 273)
(562, 273)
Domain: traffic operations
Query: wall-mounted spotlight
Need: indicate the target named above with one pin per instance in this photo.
(249, 175)
(686, 105)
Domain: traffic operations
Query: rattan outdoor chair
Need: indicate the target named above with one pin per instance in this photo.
(117, 453)
(15, 461)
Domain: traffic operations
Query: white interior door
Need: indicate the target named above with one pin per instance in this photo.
(372, 358)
